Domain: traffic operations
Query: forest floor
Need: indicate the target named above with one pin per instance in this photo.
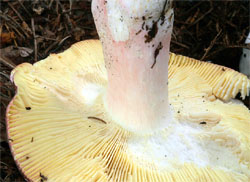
(31, 30)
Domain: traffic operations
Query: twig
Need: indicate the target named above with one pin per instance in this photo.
(4, 98)
(13, 27)
(70, 5)
(65, 38)
(57, 21)
(5, 75)
(242, 35)
(191, 9)
(225, 47)
(50, 47)
(234, 46)
(21, 18)
(12, 7)
(180, 44)
(66, 14)
(24, 8)
(231, 24)
(34, 37)
(13, 21)
(92, 117)
(216, 51)
(57, 7)
(46, 38)
(7, 62)
(201, 17)
(50, 4)
(59, 45)
(1, 29)
(211, 45)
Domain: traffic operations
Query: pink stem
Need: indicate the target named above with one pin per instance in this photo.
(136, 36)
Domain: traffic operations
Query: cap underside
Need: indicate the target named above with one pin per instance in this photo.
(59, 130)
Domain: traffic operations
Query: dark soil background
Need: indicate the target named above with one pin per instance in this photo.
(31, 30)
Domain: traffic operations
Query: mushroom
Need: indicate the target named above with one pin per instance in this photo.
(150, 115)
(245, 58)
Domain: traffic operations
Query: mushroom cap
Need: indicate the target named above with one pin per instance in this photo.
(59, 130)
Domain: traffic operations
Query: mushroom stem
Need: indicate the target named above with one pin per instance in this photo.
(136, 37)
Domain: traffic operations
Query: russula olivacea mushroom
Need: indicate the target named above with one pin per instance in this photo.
(125, 109)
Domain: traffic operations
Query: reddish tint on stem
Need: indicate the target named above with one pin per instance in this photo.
(136, 43)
